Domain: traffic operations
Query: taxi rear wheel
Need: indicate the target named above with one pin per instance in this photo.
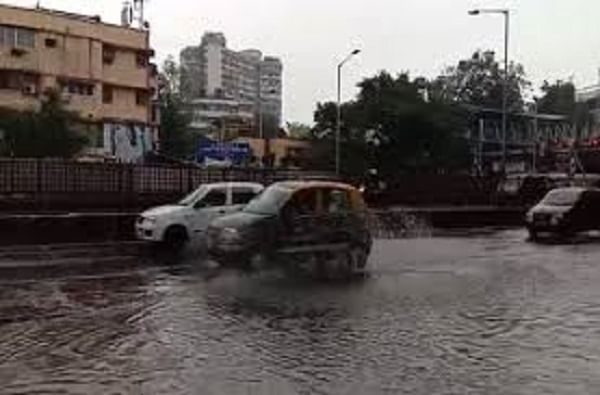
(357, 258)
(347, 263)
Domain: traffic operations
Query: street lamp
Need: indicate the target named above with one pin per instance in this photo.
(338, 125)
(506, 14)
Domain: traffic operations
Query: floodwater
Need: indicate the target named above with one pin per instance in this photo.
(481, 313)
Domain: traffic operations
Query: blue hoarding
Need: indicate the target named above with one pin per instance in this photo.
(236, 153)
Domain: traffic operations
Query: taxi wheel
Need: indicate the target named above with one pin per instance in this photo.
(357, 258)
(341, 265)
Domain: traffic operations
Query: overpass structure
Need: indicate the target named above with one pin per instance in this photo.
(531, 139)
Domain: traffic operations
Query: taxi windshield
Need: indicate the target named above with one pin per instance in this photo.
(562, 197)
(269, 202)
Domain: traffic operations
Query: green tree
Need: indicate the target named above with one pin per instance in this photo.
(479, 81)
(298, 130)
(175, 139)
(48, 132)
(390, 126)
(557, 98)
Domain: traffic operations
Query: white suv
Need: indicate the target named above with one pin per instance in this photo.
(177, 223)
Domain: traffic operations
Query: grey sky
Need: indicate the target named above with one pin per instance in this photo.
(552, 38)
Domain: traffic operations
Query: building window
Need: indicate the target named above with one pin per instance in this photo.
(108, 54)
(17, 36)
(107, 94)
(141, 59)
(10, 80)
(75, 87)
(50, 42)
(25, 38)
(141, 97)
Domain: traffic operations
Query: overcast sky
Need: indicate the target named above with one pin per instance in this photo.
(552, 38)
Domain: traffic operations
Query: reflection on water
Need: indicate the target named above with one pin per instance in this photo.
(487, 313)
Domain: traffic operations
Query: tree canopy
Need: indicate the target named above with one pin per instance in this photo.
(479, 80)
(298, 130)
(393, 128)
(47, 132)
(175, 139)
(557, 98)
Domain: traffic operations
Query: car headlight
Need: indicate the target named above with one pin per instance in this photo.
(529, 217)
(230, 234)
(556, 218)
(150, 220)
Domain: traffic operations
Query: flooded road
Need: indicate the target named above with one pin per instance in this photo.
(474, 313)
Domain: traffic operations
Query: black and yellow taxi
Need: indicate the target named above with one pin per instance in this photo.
(319, 222)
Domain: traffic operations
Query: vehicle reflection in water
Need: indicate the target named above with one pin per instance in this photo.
(480, 312)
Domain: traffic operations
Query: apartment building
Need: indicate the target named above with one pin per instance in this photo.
(222, 118)
(212, 71)
(102, 71)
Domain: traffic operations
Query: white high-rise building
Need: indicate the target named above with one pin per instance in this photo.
(211, 71)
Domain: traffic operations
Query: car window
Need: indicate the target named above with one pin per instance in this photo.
(242, 196)
(193, 197)
(562, 197)
(269, 202)
(303, 202)
(214, 198)
(336, 201)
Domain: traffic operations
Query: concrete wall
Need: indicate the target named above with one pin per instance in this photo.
(124, 106)
(124, 71)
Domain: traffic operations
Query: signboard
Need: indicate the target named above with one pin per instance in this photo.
(234, 153)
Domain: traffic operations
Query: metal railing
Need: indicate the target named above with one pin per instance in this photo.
(42, 176)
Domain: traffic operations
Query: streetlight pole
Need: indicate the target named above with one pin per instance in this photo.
(506, 14)
(338, 124)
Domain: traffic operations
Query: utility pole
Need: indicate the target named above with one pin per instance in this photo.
(506, 14)
(338, 124)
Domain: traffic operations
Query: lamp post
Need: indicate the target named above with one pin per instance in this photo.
(338, 124)
(506, 14)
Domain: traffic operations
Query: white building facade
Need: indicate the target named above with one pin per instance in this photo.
(213, 75)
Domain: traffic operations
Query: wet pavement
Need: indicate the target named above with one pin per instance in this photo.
(483, 312)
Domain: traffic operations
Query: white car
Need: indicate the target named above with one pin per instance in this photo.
(176, 224)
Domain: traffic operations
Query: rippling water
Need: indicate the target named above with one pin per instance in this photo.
(481, 313)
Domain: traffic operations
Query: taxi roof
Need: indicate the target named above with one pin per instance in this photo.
(297, 185)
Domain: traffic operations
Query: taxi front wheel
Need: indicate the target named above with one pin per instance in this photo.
(357, 258)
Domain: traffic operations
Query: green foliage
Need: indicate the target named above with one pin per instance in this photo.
(392, 128)
(558, 98)
(479, 80)
(298, 130)
(45, 133)
(175, 139)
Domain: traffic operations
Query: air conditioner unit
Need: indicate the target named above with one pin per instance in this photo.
(29, 89)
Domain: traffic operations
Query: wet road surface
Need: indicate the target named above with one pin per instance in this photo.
(480, 313)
